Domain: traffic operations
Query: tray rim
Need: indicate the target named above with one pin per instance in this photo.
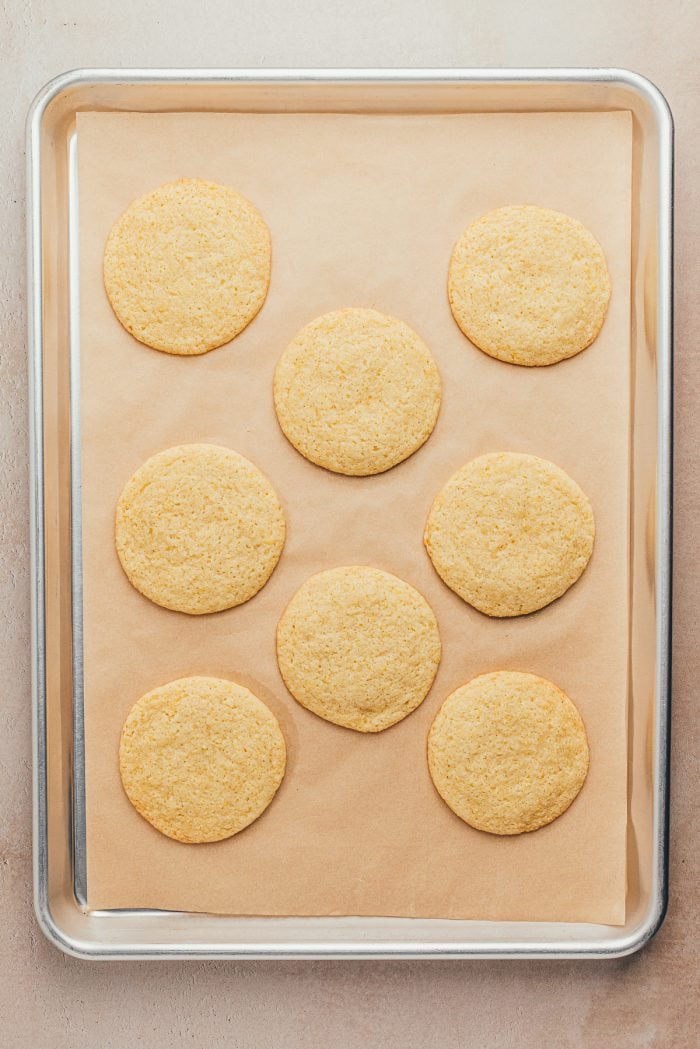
(610, 948)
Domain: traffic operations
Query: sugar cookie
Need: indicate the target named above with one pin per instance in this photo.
(357, 391)
(508, 752)
(510, 533)
(199, 528)
(529, 285)
(187, 266)
(201, 758)
(358, 647)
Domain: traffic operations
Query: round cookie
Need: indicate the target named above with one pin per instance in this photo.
(187, 266)
(508, 752)
(510, 533)
(529, 285)
(201, 758)
(199, 528)
(357, 392)
(358, 647)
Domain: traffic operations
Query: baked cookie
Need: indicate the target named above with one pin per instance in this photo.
(510, 533)
(508, 752)
(199, 528)
(529, 285)
(187, 266)
(357, 391)
(358, 647)
(201, 758)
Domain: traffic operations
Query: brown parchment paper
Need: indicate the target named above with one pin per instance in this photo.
(363, 211)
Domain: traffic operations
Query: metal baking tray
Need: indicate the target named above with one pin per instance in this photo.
(59, 841)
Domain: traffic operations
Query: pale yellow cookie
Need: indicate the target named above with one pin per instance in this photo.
(509, 533)
(187, 266)
(357, 391)
(199, 528)
(529, 285)
(201, 758)
(508, 752)
(358, 647)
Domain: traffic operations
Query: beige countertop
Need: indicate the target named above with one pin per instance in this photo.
(48, 1000)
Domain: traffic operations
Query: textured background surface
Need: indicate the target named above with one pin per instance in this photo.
(47, 1000)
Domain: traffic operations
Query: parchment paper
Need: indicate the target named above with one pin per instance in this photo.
(363, 211)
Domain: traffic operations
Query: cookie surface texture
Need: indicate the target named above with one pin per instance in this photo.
(529, 285)
(510, 533)
(201, 758)
(359, 647)
(187, 266)
(199, 528)
(357, 391)
(508, 752)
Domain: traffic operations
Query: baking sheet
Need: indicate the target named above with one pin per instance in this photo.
(363, 211)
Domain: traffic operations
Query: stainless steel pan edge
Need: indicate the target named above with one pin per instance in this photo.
(108, 935)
